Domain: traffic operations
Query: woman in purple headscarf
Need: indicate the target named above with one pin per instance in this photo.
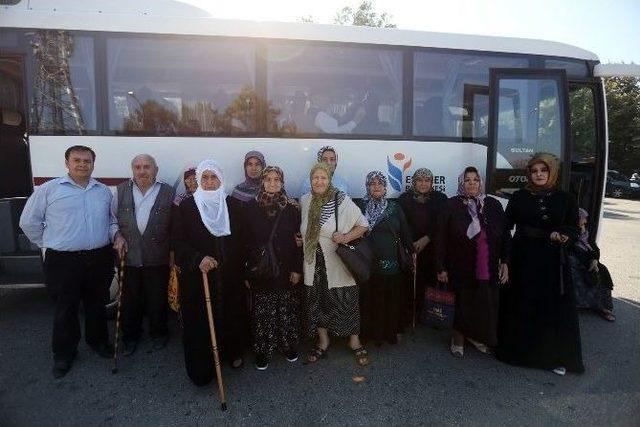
(471, 255)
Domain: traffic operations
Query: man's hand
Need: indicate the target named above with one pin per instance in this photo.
(120, 245)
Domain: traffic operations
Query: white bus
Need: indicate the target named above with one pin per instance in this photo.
(167, 79)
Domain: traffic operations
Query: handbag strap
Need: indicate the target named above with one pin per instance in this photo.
(335, 209)
(273, 229)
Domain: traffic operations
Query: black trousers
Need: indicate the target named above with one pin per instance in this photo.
(74, 277)
(144, 291)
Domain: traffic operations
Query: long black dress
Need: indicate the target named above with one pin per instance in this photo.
(192, 242)
(538, 325)
(422, 218)
(476, 311)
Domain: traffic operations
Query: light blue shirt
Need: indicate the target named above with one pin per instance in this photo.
(143, 203)
(337, 182)
(63, 216)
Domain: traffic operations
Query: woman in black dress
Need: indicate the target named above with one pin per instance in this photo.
(383, 298)
(274, 312)
(591, 280)
(201, 240)
(538, 324)
(421, 205)
(471, 252)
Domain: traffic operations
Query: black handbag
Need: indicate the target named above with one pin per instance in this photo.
(405, 258)
(356, 255)
(261, 263)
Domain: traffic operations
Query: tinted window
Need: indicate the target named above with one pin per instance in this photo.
(583, 124)
(342, 90)
(62, 83)
(450, 97)
(573, 68)
(181, 87)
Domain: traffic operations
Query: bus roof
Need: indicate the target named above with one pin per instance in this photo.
(150, 16)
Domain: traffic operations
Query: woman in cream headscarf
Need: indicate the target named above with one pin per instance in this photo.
(331, 292)
(200, 237)
(538, 322)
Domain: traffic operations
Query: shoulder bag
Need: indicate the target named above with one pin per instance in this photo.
(261, 263)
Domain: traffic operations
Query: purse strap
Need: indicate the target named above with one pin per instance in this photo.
(273, 229)
(335, 208)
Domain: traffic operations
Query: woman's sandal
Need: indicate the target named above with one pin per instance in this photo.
(361, 355)
(607, 315)
(315, 354)
(456, 350)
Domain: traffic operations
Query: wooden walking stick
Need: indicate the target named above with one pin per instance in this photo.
(115, 344)
(413, 318)
(214, 344)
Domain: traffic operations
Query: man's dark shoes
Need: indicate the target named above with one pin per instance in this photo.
(62, 365)
(160, 342)
(129, 347)
(104, 350)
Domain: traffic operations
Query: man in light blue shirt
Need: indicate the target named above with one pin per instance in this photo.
(143, 208)
(328, 155)
(70, 218)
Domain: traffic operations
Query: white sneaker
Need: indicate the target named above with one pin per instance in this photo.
(560, 370)
(482, 348)
(457, 350)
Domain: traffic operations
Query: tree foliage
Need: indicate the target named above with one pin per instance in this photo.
(623, 110)
(364, 15)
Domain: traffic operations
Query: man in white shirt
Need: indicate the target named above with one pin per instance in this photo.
(142, 206)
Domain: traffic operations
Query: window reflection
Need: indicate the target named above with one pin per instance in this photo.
(63, 83)
(450, 97)
(338, 90)
(174, 87)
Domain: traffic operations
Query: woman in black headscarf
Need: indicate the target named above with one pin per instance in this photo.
(274, 314)
(538, 324)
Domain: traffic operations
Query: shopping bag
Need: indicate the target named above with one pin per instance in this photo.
(438, 308)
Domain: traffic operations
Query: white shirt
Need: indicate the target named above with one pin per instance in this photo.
(143, 203)
(328, 124)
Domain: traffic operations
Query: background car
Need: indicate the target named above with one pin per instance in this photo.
(619, 186)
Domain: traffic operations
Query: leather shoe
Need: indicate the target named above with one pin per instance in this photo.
(62, 365)
(160, 342)
(129, 347)
(104, 350)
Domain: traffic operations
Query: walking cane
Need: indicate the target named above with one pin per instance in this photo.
(214, 344)
(115, 344)
(413, 317)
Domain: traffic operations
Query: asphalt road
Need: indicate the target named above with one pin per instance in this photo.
(414, 382)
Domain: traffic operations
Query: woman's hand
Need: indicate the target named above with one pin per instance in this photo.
(247, 284)
(298, 239)
(503, 273)
(294, 278)
(207, 264)
(339, 238)
(594, 265)
(420, 244)
(558, 238)
(443, 277)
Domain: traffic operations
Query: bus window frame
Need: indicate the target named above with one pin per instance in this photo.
(560, 76)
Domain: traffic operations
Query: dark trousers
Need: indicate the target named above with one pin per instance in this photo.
(74, 277)
(144, 291)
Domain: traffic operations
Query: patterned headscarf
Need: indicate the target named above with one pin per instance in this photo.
(421, 173)
(375, 208)
(249, 188)
(475, 204)
(272, 203)
(552, 163)
(212, 204)
(583, 238)
(315, 212)
(325, 149)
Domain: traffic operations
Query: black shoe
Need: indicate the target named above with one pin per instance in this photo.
(291, 355)
(62, 365)
(104, 350)
(262, 362)
(237, 363)
(129, 347)
(160, 342)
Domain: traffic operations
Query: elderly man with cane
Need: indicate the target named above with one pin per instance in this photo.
(69, 217)
(142, 206)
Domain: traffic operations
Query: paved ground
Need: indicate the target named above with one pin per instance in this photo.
(415, 382)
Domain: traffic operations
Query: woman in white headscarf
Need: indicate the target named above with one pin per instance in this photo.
(200, 229)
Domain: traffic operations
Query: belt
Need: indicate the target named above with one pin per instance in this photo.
(84, 252)
(533, 232)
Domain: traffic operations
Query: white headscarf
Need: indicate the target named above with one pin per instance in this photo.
(212, 205)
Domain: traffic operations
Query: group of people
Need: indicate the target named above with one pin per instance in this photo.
(515, 296)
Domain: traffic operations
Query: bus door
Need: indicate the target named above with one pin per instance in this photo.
(527, 114)
(15, 170)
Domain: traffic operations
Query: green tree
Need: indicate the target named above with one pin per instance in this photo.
(623, 110)
(364, 15)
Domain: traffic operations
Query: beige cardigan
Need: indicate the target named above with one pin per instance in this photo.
(349, 216)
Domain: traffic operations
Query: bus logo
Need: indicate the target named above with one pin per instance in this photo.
(396, 168)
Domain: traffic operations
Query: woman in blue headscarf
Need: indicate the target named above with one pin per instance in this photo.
(384, 312)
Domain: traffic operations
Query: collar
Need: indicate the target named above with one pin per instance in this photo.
(154, 185)
(67, 180)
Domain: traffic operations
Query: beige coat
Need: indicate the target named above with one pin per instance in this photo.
(349, 216)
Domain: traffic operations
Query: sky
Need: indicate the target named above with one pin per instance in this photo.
(610, 29)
